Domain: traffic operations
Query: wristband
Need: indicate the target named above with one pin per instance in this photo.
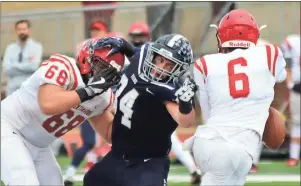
(128, 49)
(83, 95)
(185, 107)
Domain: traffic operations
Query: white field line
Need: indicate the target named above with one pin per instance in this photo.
(250, 178)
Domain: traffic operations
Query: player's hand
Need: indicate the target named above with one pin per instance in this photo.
(99, 83)
(185, 95)
(117, 45)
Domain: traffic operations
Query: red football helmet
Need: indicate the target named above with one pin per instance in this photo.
(237, 29)
(139, 28)
(90, 59)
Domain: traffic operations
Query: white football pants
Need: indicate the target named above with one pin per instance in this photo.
(24, 164)
(221, 162)
(295, 108)
(184, 156)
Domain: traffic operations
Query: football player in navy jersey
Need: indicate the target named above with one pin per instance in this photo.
(152, 100)
(139, 34)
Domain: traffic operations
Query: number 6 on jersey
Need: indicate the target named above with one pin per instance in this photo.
(233, 78)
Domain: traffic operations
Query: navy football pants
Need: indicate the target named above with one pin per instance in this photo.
(114, 170)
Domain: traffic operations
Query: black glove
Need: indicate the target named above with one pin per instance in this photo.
(185, 95)
(297, 88)
(99, 83)
(117, 45)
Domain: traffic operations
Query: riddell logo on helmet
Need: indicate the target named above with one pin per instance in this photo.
(240, 44)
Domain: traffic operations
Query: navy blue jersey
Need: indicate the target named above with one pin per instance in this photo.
(142, 125)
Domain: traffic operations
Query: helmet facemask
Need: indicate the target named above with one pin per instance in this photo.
(155, 73)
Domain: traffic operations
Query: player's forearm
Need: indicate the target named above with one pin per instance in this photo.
(102, 124)
(289, 79)
(104, 132)
(186, 120)
(183, 119)
(57, 101)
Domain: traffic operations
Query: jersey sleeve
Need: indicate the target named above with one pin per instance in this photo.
(164, 92)
(105, 101)
(199, 74)
(276, 62)
(58, 70)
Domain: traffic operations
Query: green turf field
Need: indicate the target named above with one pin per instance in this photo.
(270, 173)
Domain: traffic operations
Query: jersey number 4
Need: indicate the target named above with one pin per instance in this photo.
(126, 102)
(238, 77)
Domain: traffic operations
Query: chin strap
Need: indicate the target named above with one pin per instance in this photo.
(219, 49)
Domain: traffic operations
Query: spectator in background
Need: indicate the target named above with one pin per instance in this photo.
(98, 29)
(22, 58)
(139, 33)
(103, 15)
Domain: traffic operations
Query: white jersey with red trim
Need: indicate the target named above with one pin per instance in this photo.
(235, 92)
(291, 49)
(22, 111)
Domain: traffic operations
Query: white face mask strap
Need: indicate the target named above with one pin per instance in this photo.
(213, 26)
(219, 41)
(262, 27)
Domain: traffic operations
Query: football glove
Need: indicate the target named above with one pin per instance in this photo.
(117, 45)
(185, 95)
(99, 83)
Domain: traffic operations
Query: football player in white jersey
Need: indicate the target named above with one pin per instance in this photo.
(236, 89)
(256, 159)
(291, 51)
(59, 96)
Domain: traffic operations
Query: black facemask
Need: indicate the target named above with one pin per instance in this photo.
(23, 37)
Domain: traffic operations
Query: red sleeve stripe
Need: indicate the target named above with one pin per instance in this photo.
(197, 66)
(111, 100)
(268, 51)
(275, 59)
(59, 61)
(200, 64)
(75, 84)
(44, 63)
(204, 65)
(289, 46)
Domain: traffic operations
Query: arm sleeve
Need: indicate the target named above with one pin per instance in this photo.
(286, 49)
(280, 72)
(202, 95)
(8, 68)
(105, 101)
(57, 71)
(31, 66)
